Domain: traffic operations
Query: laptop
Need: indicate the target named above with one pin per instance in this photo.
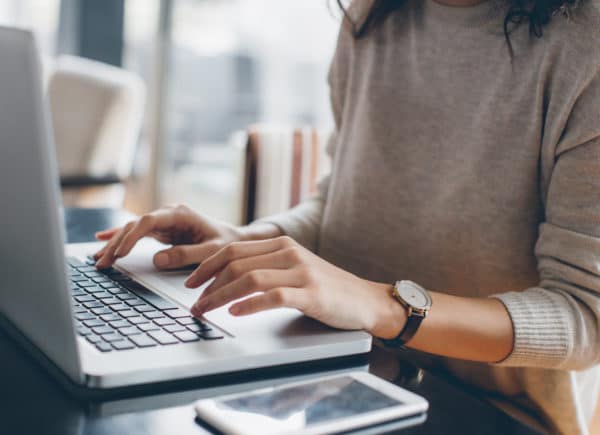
(130, 325)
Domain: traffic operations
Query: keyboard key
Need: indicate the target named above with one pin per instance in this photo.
(137, 320)
(123, 345)
(164, 321)
(84, 269)
(177, 313)
(110, 272)
(101, 279)
(85, 316)
(86, 284)
(78, 278)
(111, 317)
(131, 330)
(103, 295)
(142, 340)
(75, 262)
(153, 315)
(84, 298)
(163, 337)
(102, 330)
(211, 335)
(128, 313)
(93, 323)
(107, 285)
(93, 338)
(103, 347)
(94, 289)
(77, 309)
(101, 311)
(144, 308)
(199, 327)
(93, 304)
(125, 296)
(111, 301)
(186, 321)
(119, 307)
(148, 327)
(186, 336)
(117, 291)
(112, 337)
(82, 330)
(135, 302)
(93, 275)
(78, 292)
(150, 297)
(120, 324)
(175, 328)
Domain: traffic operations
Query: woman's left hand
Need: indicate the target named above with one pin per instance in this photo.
(280, 273)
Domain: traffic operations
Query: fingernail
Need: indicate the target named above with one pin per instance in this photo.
(162, 260)
(197, 310)
(235, 310)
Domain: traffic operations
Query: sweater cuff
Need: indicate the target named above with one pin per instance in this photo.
(300, 223)
(542, 328)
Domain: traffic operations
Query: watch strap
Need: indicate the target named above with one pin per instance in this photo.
(408, 332)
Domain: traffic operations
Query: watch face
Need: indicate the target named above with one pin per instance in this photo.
(414, 296)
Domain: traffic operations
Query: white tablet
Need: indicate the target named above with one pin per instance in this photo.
(326, 405)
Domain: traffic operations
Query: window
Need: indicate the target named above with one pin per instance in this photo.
(40, 15)
(212, 68)
(230, 63)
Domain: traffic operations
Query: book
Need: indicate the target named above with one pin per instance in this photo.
(282, 167)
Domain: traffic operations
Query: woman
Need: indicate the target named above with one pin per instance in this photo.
(467, 160)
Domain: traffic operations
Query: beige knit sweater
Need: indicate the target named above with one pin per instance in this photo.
(475, 176)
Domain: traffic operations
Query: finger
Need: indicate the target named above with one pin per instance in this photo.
(236, 269)
(157, 224)
(252, 282)
(184, 255)
(108, 257)
(163, 237)
(232, 252)
(107, 234)
(100, 253)
(276, 298)
(146, 224)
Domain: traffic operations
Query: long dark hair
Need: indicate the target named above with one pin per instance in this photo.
(537, 13)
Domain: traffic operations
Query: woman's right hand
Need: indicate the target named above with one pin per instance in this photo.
(194, 237)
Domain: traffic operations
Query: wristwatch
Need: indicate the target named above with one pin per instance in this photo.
(417, 302)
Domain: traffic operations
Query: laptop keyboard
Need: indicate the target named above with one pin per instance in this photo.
(115, 313)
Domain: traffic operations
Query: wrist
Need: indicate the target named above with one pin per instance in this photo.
(389, 316)
(258, 231)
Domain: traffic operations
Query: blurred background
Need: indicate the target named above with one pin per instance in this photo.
(208, 70)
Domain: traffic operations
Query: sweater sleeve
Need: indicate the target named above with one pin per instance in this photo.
(303, 222)
(556, 324)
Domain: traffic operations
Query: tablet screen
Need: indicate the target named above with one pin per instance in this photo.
(300, 406)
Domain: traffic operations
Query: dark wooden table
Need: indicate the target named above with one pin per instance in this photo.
(32, 402)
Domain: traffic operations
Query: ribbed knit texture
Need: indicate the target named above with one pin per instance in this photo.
(477, 176)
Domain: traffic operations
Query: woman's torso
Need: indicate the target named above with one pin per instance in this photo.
(442, 164)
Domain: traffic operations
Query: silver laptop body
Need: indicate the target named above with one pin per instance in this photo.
(35, 293)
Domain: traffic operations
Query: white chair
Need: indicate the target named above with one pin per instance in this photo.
(97, 113)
